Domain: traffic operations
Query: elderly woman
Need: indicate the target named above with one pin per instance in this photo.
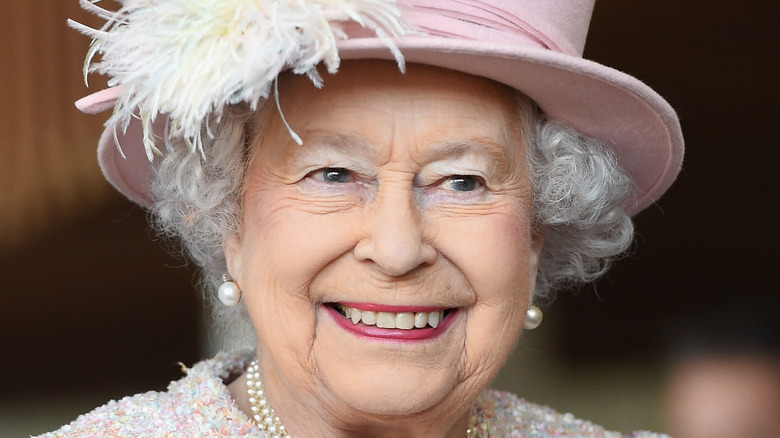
(377, 236)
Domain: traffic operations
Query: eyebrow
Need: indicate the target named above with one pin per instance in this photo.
(355, 145)
(349, 144)
(485, 147)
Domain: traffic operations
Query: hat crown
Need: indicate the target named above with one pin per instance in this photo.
(558, 25)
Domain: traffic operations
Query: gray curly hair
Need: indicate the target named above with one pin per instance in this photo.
(578, 196)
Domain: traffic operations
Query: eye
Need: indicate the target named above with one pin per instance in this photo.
(337, 183)
(336, 175)
(462, 183)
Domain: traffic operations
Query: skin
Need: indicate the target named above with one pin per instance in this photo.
(399, 227)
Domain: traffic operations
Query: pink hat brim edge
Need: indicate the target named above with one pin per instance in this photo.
(624, 113)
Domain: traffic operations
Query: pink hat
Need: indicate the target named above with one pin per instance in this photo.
(534, 46)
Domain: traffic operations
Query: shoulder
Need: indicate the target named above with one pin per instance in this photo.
(199, 404)
(504, 414)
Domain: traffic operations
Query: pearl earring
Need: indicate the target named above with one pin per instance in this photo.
(229, 293)
(533, 317)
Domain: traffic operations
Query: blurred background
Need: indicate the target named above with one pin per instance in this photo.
(94, 307)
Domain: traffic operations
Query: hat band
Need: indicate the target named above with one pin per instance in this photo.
(479, 21)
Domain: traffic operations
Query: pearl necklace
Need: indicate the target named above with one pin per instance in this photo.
(267, 420)
(262, 412)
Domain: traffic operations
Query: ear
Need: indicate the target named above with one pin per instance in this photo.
(232, 252)
(537, 243)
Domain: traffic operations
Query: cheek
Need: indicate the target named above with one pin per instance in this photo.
(491, 250)
(283, 250)
(290, 244)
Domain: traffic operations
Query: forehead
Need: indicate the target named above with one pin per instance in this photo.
(372, 103)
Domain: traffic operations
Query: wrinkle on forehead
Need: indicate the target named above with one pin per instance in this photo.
(348, 144)
(356, 87)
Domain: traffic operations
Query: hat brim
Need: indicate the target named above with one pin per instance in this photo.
(625, 114)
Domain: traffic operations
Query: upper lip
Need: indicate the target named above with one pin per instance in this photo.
(394, 308)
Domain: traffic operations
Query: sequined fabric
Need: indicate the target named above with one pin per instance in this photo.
(199, 405)
(503, 414)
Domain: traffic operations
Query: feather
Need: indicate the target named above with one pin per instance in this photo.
(189, 59)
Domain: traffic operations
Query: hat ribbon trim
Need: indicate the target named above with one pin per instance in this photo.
(479, 21)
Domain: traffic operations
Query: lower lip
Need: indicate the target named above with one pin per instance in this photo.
(374, 332)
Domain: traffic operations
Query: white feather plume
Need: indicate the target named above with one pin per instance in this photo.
(188, 59)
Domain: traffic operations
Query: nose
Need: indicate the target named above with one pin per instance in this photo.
(393, 234)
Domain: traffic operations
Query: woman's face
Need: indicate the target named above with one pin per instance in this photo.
(409, 200)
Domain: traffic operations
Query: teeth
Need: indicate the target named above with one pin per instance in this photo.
(420, 319)
(369, 317)
(434, 318)
(401, 320)
(355, 316)
(404, 320)
(385, 320)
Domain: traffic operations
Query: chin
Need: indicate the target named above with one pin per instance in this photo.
(391, 390)
(389, 378)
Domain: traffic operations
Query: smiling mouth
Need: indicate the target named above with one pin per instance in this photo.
(392, 320)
